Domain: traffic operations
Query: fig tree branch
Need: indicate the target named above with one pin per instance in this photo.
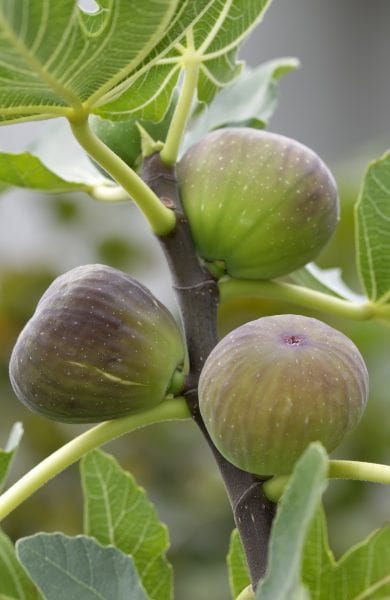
(198, 297)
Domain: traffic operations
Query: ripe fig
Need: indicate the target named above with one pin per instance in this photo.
(99, 346)
(260, 203)
(274, 385)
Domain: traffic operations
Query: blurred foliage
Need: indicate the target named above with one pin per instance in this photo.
(65, 209)
(172, 461)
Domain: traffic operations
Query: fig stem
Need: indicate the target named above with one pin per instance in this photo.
(161, 218)
(170, 409)
(191, 62)
(337, 469)
(231, 288)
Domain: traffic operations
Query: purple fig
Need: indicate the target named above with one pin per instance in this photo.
(99, 346)
(258, 203)
(274, 385)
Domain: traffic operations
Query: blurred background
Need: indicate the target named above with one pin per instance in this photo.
(338, 104)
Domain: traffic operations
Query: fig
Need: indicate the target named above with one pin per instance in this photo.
(274, 385)
(123, 136)
(260, 204)
(99, 346)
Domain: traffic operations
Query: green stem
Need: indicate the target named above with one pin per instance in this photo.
(337, 469)
(161, 219)
(191, 64)
(235, 288)
(360, 471)
(168, 410)
(109, 193)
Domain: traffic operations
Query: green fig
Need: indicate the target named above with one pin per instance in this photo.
(260, 204)
(274, 385)
(99, 346)
(123, 136)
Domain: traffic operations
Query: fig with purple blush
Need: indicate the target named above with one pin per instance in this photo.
(99, 346)
(274, 385)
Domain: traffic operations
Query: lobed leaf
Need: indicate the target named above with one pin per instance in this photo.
(147, 93)
(217, 28)
(54, 56)
(79, 567)
(373, 230)
(363, 572)
(14, 581)
(118, 512)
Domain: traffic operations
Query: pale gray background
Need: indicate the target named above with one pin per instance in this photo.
(339, 101)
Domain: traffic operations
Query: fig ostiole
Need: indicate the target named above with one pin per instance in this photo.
(260, 203)
(99, 346)
(274, 385)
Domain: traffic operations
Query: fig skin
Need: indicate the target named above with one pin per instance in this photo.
(274, 385)
(262, 203)
(99, 346)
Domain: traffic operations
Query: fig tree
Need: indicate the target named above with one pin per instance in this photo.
(274, 385)
(260, 204)
(99, 346)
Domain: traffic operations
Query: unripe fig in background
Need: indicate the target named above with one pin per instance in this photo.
(99, 346)
(123, 136)
(260, 203)
(274, 385)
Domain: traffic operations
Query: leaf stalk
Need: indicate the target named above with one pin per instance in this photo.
(161, 219)
(337, 469)
(191, 62)
(171, 409)
(288, 292)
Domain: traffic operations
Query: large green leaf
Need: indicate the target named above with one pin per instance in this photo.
(216, 29)
(294, 516)
(118, 512)
(8, 453)
(122, 59)
(54, 56)
(363, 572)
(14, 581)
(373, 230)
(147, 93)
(239, 577)
(79, 567)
